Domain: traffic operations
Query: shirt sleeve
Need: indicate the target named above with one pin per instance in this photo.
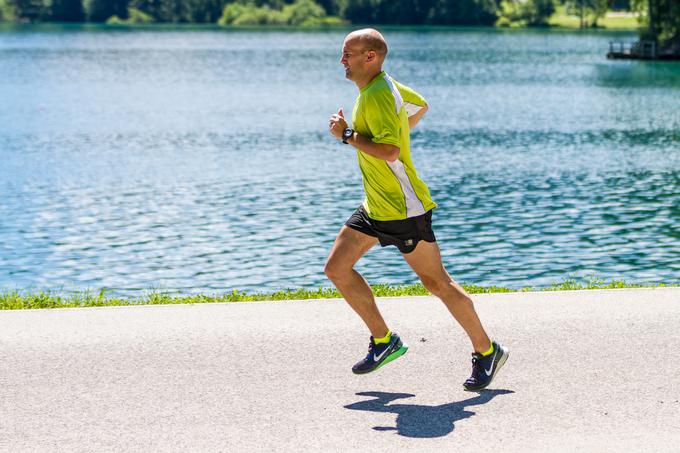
(383, 120)
(413, 101)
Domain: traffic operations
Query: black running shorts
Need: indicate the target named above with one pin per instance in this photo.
(404, 234)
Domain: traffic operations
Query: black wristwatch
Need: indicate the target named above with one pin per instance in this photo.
(346, 135)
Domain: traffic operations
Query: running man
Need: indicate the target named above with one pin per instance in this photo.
(397, 210)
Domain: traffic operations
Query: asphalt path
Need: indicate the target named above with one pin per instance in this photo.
(588, 371)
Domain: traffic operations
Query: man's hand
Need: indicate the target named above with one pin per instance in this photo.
(337, 124)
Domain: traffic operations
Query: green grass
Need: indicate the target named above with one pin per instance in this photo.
(563, 20)
(17, 300)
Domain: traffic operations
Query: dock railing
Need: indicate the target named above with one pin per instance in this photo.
(644, 49)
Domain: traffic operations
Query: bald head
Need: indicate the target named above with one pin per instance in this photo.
(363, 54)
(369, 39)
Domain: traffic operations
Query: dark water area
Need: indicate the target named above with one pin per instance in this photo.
(199, 161)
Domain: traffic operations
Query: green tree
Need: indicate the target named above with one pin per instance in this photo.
(153, 8)
(620, 5)
(135, 16)
(298, 13)
(416, 12)
(207, 11)
(361, 11)
(177, 10)
(599, 10)
(248, 13)
(303, 12)
(67, 11)
(333, 7)
(101, 10)
(524, 13)
(463, 12)
(662, 23)
(29, 10)
(410, 11)
(588, 11)
(6, 12)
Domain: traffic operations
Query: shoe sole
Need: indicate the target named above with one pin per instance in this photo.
(499, 365)
(395, 355)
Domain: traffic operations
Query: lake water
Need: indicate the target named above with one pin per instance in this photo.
(199, 160)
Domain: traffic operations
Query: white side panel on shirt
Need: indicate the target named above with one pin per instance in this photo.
(414, 207)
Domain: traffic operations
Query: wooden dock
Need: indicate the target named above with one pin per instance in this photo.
(640, 50)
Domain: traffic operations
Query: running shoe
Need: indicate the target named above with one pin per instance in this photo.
(380, 354)
(484, 369)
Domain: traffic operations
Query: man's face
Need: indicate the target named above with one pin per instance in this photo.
(353, 59)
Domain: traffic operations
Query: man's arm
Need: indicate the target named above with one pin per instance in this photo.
(415, 104)
(413, 119)
(383, 151)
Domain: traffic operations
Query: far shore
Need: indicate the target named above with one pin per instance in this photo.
(557, 23)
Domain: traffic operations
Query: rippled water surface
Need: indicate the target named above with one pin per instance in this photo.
(198, 161)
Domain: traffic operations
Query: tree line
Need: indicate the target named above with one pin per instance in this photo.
(296, 12)
(661, 16)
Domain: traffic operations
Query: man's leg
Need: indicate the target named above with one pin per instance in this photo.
(426, 261)
(349, 246)
(488, 358)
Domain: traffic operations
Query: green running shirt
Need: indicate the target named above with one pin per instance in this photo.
(393, 189)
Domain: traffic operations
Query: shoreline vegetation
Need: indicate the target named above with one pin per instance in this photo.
(323, 14)
(105, 27)
(17, 300)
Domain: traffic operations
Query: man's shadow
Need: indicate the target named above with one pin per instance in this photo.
(414, 420)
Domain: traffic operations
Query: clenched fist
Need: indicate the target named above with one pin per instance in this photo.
(337, 124)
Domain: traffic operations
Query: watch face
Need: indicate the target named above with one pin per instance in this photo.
(347, 133)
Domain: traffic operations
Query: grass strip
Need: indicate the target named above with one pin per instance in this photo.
(17, 300)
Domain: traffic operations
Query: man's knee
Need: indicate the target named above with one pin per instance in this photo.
(336, 271)
(441, 286)
(435, 285)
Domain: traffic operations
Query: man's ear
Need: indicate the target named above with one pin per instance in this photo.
(370, 55)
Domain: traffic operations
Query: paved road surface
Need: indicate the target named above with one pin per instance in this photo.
(588, 371)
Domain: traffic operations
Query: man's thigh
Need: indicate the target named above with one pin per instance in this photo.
(426, 261)
(349, 246)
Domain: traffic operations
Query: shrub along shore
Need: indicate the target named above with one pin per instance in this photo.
(321, 13)
(18, 300)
